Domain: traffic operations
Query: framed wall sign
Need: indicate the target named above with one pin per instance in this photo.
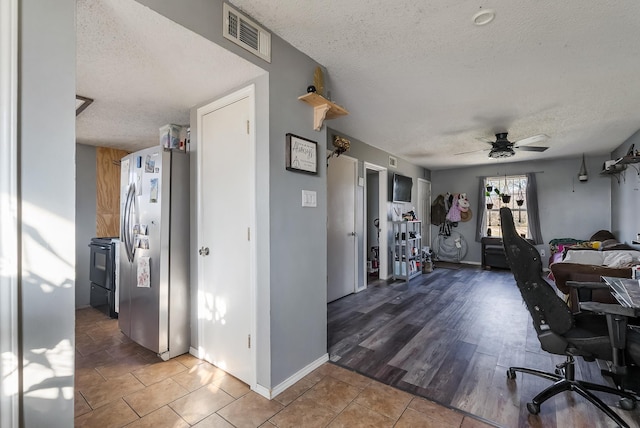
(301, 155)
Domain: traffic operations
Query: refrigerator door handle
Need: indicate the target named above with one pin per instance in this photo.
(128, 232)
(131, 217)
(124, 228)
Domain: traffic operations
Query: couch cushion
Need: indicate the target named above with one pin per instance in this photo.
(618, 259)
(611, 258)
(584, 257)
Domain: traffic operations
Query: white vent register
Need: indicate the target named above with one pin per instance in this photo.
(246, 33)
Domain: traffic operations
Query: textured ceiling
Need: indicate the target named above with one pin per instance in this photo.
(419, 78)
(422, 81)
(144, 71)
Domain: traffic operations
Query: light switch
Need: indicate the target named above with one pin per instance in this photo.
(361, 181)
(309, 198)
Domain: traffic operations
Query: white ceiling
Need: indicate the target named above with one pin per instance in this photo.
(419, 78)
(144, 71)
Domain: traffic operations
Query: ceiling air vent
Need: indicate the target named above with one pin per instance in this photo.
(246, 33)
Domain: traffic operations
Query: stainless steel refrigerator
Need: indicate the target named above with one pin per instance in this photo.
(154, 252)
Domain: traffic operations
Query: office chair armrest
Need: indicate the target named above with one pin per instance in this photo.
(617, 316)
(587, 285)
(607, 308)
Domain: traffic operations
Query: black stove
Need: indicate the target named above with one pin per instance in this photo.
(102, 274)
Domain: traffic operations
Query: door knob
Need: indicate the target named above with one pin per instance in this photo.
(204, 251)
(352, 234)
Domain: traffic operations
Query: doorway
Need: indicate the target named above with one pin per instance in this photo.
(226, 217)
(375, 223)
(424, 209)
(341, 226)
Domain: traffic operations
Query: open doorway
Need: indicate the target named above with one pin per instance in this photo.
(375, 223)
(424, 209)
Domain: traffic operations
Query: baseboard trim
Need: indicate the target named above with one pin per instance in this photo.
(262, 390)
(279, 389)
(195, 352)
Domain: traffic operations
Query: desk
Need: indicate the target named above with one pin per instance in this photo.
(625, 290)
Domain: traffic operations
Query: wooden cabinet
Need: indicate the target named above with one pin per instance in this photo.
(108, 191)
(407, 249)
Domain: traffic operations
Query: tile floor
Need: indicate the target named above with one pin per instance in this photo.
(119, 383)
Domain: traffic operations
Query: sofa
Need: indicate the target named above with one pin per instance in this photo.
(588, 261)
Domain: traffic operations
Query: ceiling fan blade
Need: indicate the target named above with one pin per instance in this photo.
(485, 140)
(532, 140)
(472, 151)
(532, 148)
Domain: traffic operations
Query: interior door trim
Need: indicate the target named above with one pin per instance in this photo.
(426, 216)
(9, 247)
(382, 209)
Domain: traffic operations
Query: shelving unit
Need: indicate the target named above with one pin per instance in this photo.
(617, 170)
(407, 249)
(323, 109)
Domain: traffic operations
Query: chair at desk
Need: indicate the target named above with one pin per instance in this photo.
(561, 332)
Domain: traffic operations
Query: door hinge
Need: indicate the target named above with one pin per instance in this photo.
(247, 127)
(249, 341)
(248, 234)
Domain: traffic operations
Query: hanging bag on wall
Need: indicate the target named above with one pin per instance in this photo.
(438, 211)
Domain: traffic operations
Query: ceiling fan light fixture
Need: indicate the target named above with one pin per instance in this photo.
(499, 153)
(484, 17)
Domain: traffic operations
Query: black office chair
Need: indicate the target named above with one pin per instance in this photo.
(562, 332)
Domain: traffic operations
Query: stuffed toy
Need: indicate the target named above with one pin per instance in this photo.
(463, 202)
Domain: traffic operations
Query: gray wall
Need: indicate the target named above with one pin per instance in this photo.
(365, 153)
(568, 208)
(85, 218)
(47, 144)
(292, 270)
(625, 200)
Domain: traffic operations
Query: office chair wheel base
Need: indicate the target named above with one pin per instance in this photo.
(627, 404)
(511, 374)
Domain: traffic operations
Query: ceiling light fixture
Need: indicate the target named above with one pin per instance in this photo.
(501, 152)
(484, 17)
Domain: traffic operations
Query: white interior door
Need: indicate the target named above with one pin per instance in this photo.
(424, 209)
(226, 174)
(341, 224)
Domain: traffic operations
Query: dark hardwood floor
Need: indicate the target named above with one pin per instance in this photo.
(450, 336)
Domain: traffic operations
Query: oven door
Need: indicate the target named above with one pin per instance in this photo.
(101, 269)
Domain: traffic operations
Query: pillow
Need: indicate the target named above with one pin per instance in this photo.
(621, 259)
(602, 235)
(617, 259)
(584, 257)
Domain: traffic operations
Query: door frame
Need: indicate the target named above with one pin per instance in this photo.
(382, 209)
(247, 92)
(355, 217)
(9, 247)
(426, 225)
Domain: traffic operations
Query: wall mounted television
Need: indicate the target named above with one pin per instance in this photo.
(402, 188)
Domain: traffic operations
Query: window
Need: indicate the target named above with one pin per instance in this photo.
(506, 191)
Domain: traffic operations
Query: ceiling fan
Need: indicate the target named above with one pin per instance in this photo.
(503, 148)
